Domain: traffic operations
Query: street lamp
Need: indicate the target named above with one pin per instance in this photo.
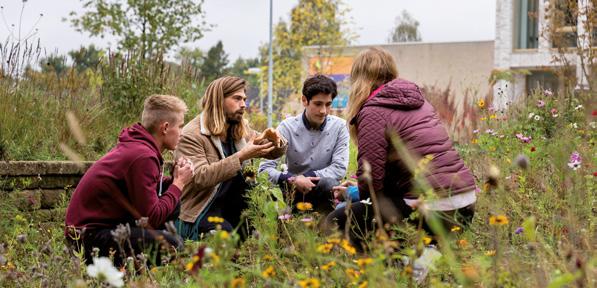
(271, 69)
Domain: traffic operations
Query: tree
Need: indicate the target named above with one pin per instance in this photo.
(406, 30)
(86, 57)
(53, 63)
(215, 62)
(152, 27)
(318, 23)
(190, 57)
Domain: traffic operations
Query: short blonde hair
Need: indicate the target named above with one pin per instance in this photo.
(161, 108)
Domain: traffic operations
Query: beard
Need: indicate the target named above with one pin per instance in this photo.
(235, 117)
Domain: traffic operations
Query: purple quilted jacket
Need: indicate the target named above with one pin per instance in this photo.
(399, 108)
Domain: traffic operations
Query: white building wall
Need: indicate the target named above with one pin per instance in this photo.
(508, 58)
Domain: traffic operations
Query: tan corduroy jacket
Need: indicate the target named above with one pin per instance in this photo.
(211, 167)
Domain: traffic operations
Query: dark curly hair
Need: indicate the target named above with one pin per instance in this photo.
(319, 84)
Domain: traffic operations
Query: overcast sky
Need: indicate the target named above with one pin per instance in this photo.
(242, 25)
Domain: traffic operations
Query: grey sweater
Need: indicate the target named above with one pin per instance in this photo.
(322, 153)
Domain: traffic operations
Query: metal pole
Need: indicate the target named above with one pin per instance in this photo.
(270, 74)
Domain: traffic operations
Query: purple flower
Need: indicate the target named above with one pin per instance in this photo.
(475, 131)
(540, 103)
(523, 139)
(574, 161)
(285, 216)
(518, 230)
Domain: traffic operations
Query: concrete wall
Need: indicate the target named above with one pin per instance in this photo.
(462, 66)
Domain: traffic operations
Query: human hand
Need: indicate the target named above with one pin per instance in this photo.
(303, 184)
(340, 190)
(252, 150)
(183, 172)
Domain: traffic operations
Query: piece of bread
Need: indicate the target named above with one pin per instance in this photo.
(268, 135)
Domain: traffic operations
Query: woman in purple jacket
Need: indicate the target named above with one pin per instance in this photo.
(381, 108)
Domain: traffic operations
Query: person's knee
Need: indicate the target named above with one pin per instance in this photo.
(326, 184)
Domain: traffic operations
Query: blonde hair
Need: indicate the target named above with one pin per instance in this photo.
(214, 117)
(371, 68)
(161, 108)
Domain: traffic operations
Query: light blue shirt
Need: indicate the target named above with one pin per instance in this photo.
(323, 152)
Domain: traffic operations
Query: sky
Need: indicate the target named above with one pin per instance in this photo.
(243, 25)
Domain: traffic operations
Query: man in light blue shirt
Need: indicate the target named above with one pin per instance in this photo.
(317, 155)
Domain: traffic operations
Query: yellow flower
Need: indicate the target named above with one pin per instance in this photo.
(267, 258)
(492, 116)
(455, 228)
(304, 206)
(483, 118)
(426, 240)
(408, 269)
(237, 283)
(325, 248)
(353, 274)
(481, 103)
(498, 220)
(364, 262)
(215, 219)
(334, 240)
(474, 141)
(215, 258)
(328, 266)
(346, 245)
(308, 283)
(224, 235)
(268, 272)
(365, 284)
(189, 266)
(154, 269)
(490, 253)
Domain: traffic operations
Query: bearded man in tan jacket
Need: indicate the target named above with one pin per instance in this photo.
(219, 142)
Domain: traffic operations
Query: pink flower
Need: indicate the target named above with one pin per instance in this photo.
(523, 139)
(548, 92)
(307, 219)
(554, 112)
(574, 161)
(540, 103)
(285, 216)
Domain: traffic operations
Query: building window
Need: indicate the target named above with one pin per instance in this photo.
(563, 15)
(542, 80)
(526, 24)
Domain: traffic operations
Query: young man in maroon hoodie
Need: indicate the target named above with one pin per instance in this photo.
(127, 186)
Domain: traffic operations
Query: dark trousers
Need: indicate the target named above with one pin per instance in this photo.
(320, 196)
(149, 241)
(363, 214)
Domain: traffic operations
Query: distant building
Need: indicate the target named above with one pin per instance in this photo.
(528, 33)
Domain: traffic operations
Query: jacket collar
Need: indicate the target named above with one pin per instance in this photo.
(308, 125)
(216, 140)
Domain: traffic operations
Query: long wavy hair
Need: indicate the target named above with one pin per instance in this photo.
(214, 117)
(371, 68)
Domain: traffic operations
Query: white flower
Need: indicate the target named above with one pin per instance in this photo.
(531, 115)
(537, 117)
(284, 168)
(574, 165)
(574, 125)
(366, 201)
(578, 107)
(593, 124)
(104, 271)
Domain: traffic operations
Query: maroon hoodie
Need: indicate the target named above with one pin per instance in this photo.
(123, 186)
(399, 108)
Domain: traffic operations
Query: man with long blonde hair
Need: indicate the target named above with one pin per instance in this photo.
(219, 142)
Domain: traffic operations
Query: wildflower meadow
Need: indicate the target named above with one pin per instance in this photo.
(534, 226)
